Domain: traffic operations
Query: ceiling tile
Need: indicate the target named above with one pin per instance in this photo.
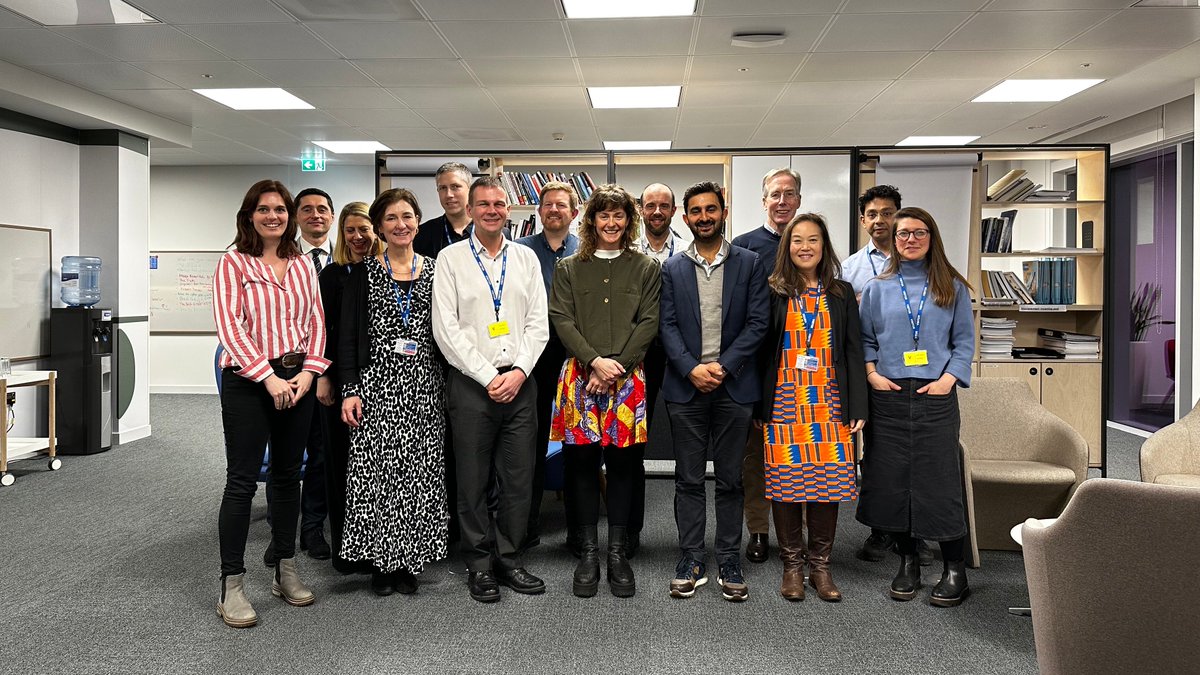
(714, 135)
(177, 104)
(450, 10)
(532, 117)
(768, 7)
(499, 39)
(812, 93)
(287, 119)
(340, 97)
(971, 65)
(378, 118)
(636, 117)
(330, 133)
(792, 130)
(396, 136)
(101, 76)
(872, 133)
(13, 20)
(310, 73)
(769, 139)
(26, 46)
(716, 33)
(251, 132)
(888, 111)
(960, 127)
(882, 6)
(723, 95)
(631, 37)
(811, 120)
(520, 98)
(636, 133)
(393, 40)
(141, 43)
(689, 116)
(403, 72)
(440, 97)
(1000, 5)
(757, 68)
(508, 72)
(542, 136)
(918, 91)
(628, 71)
(832, 67)
(1022, 30)
(212, 11)
(1146, 28)
(351, 10)
(191, 74)
(495, 145)
(1105, 64)
(486, 115)
(262, 41)
(999, 113)
(916, 31)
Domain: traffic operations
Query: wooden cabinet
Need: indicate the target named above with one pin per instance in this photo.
(1070, 390)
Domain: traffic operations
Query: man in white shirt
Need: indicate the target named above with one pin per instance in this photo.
(657, 206)
(490, 321)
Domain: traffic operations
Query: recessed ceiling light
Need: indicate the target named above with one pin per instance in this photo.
(353, 147)
(937, 140)
(635, 97)
(78, 12)
(620, 9)
(255, 99)
(1014, 91)
(637, 145)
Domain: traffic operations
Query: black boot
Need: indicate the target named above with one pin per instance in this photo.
(952, 589)
(908, 579)
(620, 574)
(587, 572)
(574, 540)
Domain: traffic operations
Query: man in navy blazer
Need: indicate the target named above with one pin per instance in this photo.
(714, 313)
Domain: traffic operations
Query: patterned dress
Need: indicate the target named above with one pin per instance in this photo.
(396, 513)
(808, 453)
(613, 418)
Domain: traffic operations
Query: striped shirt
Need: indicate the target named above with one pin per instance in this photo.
(259, 319)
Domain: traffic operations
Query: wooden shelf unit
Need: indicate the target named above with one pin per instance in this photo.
(17, 447)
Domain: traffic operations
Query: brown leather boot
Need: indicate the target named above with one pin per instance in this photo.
(822, 523)
(789, 529)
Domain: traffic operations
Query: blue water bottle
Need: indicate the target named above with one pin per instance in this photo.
(80, 280)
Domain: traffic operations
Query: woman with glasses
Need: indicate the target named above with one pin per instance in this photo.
(918, 340)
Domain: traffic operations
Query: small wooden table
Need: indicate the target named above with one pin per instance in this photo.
(25, 446)
(1015, 533)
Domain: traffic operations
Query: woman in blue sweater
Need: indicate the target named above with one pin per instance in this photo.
(917, 353)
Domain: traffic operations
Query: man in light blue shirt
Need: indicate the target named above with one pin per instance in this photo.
(877, 209)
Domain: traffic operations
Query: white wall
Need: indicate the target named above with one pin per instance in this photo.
(192, 208)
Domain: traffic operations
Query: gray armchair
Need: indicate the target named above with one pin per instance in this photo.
(1171, 456)
(1023, 461)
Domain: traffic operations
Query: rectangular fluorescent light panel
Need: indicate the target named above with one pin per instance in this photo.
(621, 9)
(635, 97)
(352, 147)
(1014, 91)
(637, 145)
(255, 99)
(78, 12)
(937, 140)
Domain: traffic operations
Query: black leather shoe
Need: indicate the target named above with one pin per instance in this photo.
(952, 589)
(521, 581)
(924, 553)
(269, 555)
(908, 579)
(404, 582)
(314, 542)
(876, 547)
(756, 549)
(483, 587)
(381, 583)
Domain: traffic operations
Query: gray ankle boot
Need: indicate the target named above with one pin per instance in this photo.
(288, 586)
(233, 606)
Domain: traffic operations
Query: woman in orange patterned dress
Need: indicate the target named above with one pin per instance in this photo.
(814, 400)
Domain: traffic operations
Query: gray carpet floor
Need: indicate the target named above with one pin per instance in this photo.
(110, 566)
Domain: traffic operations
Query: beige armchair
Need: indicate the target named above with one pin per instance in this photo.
(1113, 582)
(1023, 461)
(1171, 456)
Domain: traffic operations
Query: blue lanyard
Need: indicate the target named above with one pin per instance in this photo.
(449, 239)
(871, 260)
(914, 322)
(810, 320)
(496, 293)
(406, 302)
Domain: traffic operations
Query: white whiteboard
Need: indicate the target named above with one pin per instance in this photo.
(24, 292)
(181, 284)
(824, 189)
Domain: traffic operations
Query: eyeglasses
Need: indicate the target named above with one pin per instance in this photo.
(904, 235)
(879, 214)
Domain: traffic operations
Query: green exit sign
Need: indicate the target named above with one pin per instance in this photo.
(312, 164)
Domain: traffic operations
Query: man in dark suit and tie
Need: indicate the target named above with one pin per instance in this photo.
(714, 312)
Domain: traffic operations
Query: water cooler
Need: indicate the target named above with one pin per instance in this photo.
(81, 340)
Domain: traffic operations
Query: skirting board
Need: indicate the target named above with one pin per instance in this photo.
(183, 389)
(131, 435)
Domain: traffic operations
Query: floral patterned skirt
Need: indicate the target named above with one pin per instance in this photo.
(616, 417)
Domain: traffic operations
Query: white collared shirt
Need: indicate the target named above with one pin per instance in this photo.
(674, 245)
(463, 309)
(864, 265)
(702, 264)
(326, 250)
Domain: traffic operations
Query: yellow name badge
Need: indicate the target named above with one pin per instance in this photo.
(917, 357)
(498, 329)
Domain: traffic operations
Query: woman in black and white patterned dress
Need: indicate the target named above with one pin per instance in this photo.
(393, 389)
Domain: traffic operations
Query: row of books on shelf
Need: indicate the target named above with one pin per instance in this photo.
(997, 233)
(522, 229)
(524, 188)
(997, 343)
(1046, 282)
(1015, 187)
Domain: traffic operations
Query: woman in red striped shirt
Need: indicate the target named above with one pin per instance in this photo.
(267, 307)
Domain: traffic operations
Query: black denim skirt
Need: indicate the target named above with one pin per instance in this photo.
(912, 464)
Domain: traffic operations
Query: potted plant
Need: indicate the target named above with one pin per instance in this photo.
(1143, 311)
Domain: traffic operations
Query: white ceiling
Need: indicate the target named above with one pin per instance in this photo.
(510, 74)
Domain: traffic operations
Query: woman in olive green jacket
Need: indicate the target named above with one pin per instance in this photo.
(604, 305)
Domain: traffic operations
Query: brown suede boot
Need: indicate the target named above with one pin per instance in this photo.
(789, 529)
(822, 523)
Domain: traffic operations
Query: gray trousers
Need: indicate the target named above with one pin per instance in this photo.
(492, 438)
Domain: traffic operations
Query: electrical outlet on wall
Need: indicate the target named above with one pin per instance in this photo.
(12, 398)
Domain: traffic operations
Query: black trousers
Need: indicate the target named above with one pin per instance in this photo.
(582, 482)
(545, 374)
(492, 439)
(337, 456)
(250, 420)
(708, 424)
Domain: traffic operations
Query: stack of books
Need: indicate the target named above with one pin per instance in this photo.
(523, 188)
(1015, 187)
(995, 338)
(997, 233)
(1072, 346)
(1004, 285)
